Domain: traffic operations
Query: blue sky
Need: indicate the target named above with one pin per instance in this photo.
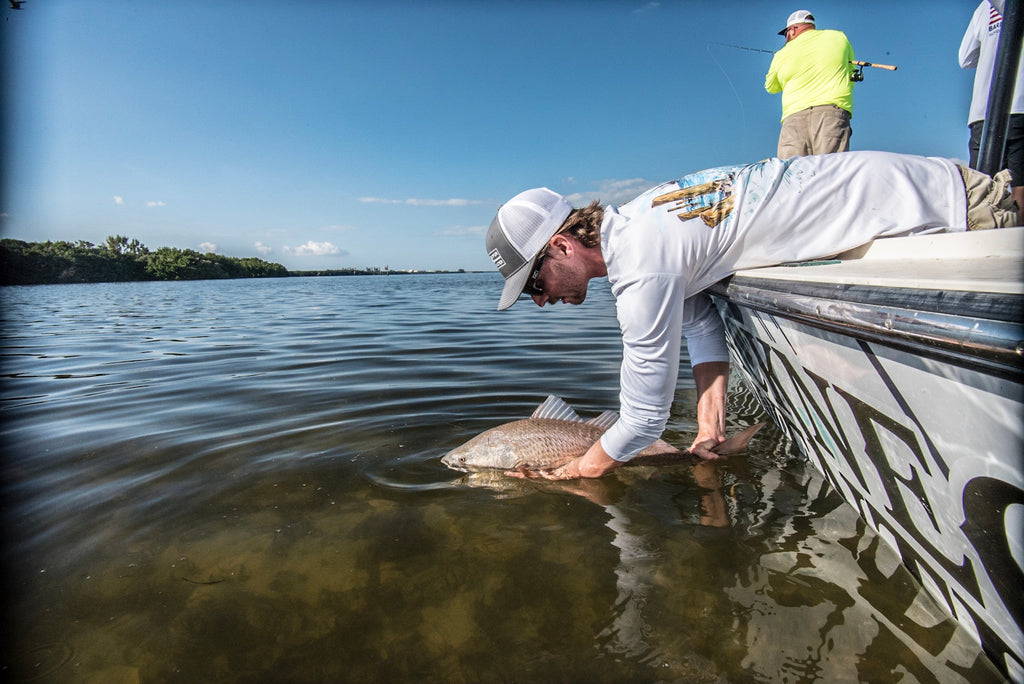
(325, 134)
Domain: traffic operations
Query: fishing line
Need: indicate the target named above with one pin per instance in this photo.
(739, 100)
(741, 47)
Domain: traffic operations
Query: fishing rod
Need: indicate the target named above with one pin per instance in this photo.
(857, 75)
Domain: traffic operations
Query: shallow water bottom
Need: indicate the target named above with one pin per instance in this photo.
(689, 573)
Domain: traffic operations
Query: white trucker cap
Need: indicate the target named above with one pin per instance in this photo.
(519, 231)
(798, 17)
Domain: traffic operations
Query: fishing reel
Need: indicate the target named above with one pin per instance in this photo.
(858, 75)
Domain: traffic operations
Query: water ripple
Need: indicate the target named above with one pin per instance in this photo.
(276, 444)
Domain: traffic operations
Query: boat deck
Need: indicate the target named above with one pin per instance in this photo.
(981, 261)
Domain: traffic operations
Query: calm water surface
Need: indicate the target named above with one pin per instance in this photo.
(241, 482)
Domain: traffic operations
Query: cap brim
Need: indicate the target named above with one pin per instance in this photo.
(514, 285)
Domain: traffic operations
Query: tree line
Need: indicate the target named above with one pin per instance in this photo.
(119, 259)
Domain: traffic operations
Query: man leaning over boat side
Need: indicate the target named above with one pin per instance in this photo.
(661, 250)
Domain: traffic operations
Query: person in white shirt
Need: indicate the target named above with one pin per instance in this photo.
(662, 249)
(978, 51)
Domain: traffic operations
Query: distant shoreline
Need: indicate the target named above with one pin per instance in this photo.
(361, 271)
(121, 260)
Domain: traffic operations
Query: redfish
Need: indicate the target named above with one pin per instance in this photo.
(554, 434)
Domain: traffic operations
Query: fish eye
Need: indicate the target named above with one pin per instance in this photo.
(462, 459)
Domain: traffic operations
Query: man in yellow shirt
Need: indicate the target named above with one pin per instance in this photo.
(813, 71)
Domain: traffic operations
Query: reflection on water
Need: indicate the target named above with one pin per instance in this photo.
(241, 481)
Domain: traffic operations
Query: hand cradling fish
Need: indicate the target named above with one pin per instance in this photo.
(555, 434)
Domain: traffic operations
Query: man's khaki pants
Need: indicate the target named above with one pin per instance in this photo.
(815, 130)
(989, 203)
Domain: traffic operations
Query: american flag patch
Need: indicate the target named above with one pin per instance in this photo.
(994, 19)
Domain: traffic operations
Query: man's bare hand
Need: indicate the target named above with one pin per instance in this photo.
(718, 447)
(704, 449)
(594, 463)
(570, 470)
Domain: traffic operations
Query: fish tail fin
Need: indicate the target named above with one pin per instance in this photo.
(739, 441)
(660, 453)
(660, 446)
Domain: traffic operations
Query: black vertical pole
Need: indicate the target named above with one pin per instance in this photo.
(1000, 99)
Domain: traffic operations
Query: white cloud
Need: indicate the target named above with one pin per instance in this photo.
(647, 8)
(118, 200)
(611, 191)
(313, 249)
(207, 247)
(455, 202)
(459, 231)
(262, 248)
(155, 203)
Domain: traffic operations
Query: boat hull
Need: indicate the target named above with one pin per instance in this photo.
(910, 402)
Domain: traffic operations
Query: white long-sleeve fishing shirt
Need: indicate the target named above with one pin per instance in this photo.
(665, 247)
(978, 51)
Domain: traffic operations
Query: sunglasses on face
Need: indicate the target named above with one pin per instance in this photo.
(532, 288)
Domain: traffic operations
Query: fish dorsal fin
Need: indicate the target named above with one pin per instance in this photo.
(557, 409)
(605, 420)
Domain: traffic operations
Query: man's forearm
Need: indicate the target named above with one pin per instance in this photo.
(712, 380)
(596, 462)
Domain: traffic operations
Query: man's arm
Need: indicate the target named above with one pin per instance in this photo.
(709, 356)
(712, 380)
(771, 80)
(712, 387)
(970, 46)
(848, 58)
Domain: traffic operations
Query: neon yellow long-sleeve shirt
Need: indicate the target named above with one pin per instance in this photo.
(813, 69)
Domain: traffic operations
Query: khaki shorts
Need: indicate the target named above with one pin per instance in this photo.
(815, 130)
(989, 204)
